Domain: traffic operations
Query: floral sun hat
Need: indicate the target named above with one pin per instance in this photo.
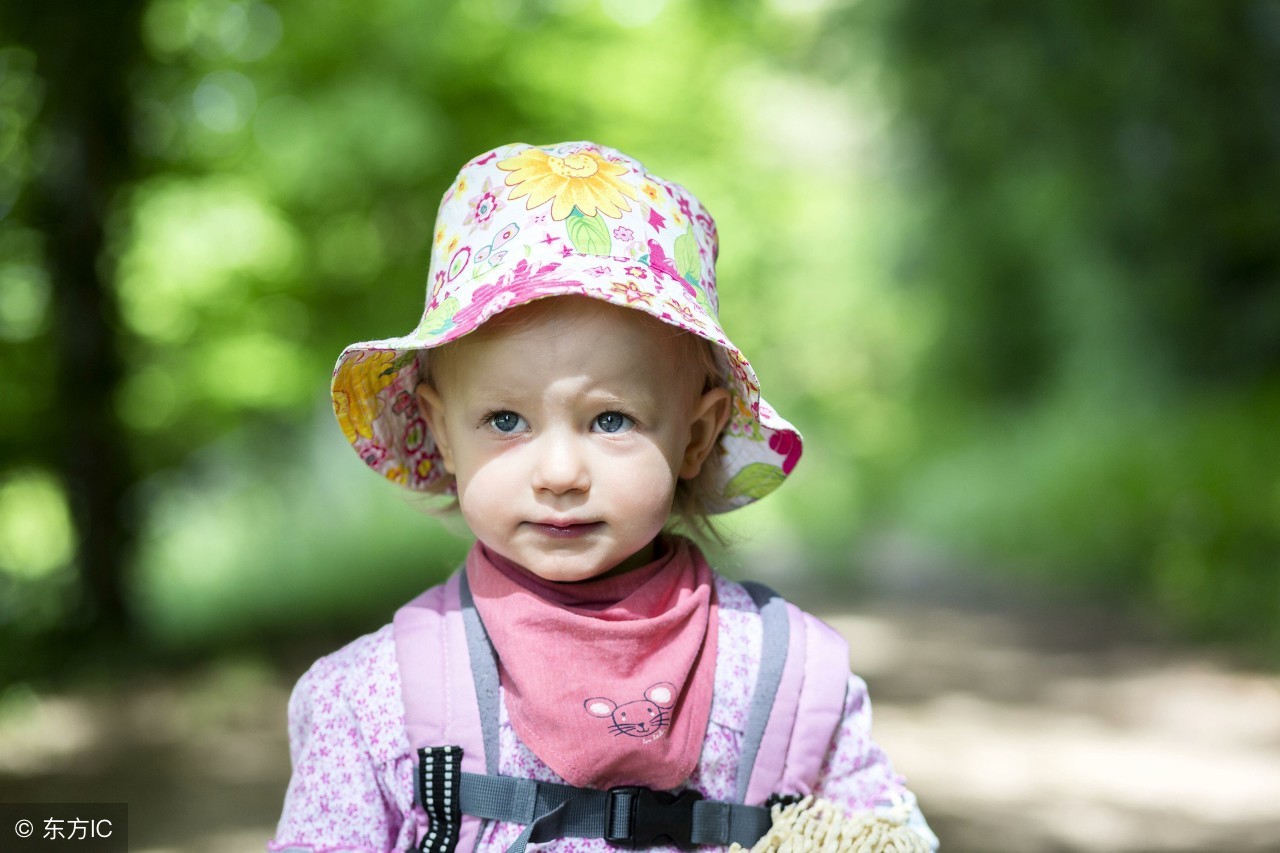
(524, 222)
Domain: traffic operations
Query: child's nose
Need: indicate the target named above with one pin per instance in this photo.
(560, 467)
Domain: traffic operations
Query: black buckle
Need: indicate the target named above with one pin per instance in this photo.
(783, 800)
(653, 816)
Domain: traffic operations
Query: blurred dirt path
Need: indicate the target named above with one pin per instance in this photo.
(1018, 738)
(1022, 725)
(1025, 722)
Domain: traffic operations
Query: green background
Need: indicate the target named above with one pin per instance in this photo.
(1010, 268)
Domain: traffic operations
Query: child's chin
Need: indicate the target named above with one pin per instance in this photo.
(569, 574)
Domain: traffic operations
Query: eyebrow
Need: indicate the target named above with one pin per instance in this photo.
(608, 398)
(506, 394)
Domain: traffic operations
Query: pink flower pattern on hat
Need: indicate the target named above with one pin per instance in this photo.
(484, 205)
(527, 222)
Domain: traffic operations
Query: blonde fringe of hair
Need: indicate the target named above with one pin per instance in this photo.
(820, 826)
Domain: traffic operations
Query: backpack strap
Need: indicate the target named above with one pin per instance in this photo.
(798, 702)
(484, 672)
(449, 684)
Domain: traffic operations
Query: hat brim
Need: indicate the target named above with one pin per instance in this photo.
(374, 381)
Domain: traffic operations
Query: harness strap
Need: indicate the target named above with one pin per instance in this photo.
(798, 703)
(441, 707)
(484, 672)
(627, 816)
(439, 783)
(757, 780)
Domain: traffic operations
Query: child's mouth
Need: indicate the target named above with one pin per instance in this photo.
(567, 531)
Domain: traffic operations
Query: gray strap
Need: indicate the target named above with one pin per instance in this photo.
(549, 811)
(546, 810)
(776, 628)
(484, 672)
(729, 823)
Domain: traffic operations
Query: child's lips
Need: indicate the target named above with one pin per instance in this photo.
(566, 529)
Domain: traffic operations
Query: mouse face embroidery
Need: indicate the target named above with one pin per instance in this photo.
(643, 718)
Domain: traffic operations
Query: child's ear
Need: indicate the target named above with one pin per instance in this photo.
(710, 413)
(431, 405)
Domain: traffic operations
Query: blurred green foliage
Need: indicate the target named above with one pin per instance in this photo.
(1011, 269)
(1098, 233)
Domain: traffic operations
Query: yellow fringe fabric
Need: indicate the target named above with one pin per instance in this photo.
(819, 826)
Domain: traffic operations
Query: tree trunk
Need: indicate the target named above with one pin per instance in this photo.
(84, 55)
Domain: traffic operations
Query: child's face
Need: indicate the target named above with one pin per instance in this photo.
(567, 435)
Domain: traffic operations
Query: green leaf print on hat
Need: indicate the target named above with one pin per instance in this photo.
(438, 320)
(689, 265)
(589, 234)
(688, 262)
(754, 481)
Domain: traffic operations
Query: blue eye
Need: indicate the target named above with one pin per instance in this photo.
(613, 422)
(506, 421)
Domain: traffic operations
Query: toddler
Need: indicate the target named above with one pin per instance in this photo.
(585, 681)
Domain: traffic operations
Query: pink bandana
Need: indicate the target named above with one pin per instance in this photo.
(608, 681)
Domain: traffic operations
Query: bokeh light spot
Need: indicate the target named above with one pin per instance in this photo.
(199, 244)
(224, 101)
(35, 525)
(633, 13)
(24, 300)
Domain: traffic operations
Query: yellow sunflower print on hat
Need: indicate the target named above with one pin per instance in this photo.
(583, 179)
(355, 391)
